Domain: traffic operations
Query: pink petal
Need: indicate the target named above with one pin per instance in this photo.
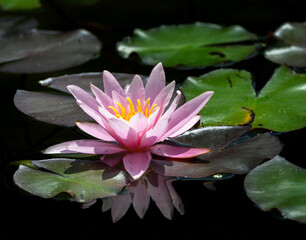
(156, 82)
(177, 151)
(111, 84)
(186, 112)
(103, 99)
(112, 159)
(119, 99)
(136, 163)
(173, 105)
(187, 126)
(95, 130)
(154, 134)
(127, 135)
(87, 102)
(139, 123)
(84, 97)
(136, 91)
(85, 146)
(163, 98)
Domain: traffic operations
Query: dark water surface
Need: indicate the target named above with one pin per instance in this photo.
(224, 214)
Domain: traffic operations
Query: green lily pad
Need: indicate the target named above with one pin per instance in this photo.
(279, 184)
(198, 44)
(279, 106)
(19, 4)
(84, 180)
(291, 45)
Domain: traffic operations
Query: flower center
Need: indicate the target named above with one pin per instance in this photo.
(131, 110)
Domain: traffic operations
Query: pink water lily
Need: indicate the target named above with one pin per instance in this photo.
(131, 122)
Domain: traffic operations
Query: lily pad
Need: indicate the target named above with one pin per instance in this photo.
(216, 137)
(36, 51)
(19, 4)
(290, 48)
(237, 159)
(50, 108)
(84, 180)
(198, 44)
(279, 184)
(279, 106)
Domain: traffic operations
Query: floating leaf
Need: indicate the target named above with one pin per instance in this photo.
(211, 137)
(279, 184)
(35, 51)
(19, 4)
(280, 105)
(237, 159)
(50, 108)
(84, 180)
(291, 46)
(198, 44)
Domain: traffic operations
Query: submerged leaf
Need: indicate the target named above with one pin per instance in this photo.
(84, 180)
(198, 44)
(35, 51)
(279, 184)
(291, 46)
(280, 106)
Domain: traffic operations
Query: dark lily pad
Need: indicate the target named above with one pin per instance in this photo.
(279, 184)
(84, 180)
(198, 44)
(50, 108)
(19, 4)
(212, 137)
(291, 46)
(237, 159)
(279, 106)
(36, 51)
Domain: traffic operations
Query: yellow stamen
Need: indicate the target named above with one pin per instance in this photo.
(148, 101)
(132, 109)
(122, 110)
(147, 113)
(115, 110)
(152, 109)
(139, 105)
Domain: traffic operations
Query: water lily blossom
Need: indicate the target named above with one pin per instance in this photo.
(131, 123)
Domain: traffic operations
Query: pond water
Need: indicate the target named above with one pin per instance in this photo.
(224, 213)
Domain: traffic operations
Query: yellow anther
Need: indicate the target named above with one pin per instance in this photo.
(132, 109)
(115, 110)
(122, 110)
(152, 109)
(148, 101)
(139, 105)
